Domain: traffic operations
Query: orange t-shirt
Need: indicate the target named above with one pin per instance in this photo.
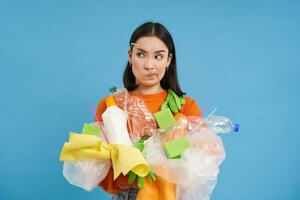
(160, 189)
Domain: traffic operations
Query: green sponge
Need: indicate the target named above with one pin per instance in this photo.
(174, 148)
(91, 129)
(165, 118)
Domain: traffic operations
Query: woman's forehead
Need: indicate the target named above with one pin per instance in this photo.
(150, 44)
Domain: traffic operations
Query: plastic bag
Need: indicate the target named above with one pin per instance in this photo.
(200, 192)
(86, 174)
(142, 122)
(195, 173)
(199, 161)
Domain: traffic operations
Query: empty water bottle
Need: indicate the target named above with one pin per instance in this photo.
(221, 124)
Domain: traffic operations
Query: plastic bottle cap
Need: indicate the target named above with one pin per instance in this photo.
(236, 127)
(110, 101)
(113, 89)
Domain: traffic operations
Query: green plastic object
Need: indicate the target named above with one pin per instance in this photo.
(140, 180)
(174, 148)
(139, 145)
(173, 102)
(91, 129)
(165, 118)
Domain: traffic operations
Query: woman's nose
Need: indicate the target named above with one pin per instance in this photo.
(149, 65)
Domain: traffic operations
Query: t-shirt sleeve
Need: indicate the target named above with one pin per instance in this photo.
(100, 110)
(190, 108)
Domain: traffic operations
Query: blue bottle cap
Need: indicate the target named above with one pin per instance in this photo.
(113, 89)
(236, 127)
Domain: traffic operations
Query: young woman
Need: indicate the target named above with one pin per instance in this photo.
(149, 74)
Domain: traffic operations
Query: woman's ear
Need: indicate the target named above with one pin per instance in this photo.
(129, 55)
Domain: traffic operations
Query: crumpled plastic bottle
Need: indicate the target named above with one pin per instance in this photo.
(221, 124)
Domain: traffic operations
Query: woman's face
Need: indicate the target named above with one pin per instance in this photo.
(149, 59)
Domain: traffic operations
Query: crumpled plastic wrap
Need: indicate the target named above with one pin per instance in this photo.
(142, 122)
(195, 173)
(86, 174)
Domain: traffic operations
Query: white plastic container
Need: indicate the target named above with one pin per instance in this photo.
(115, 122)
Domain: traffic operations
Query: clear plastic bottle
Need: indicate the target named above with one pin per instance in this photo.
(115, 122)
(221, 124)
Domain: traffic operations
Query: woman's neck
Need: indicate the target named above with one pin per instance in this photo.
(148, 90)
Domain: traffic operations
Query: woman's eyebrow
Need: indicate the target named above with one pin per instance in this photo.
(141, 50)
(160, 51)
(146, 51)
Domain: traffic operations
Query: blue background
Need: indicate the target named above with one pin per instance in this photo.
(58, 59)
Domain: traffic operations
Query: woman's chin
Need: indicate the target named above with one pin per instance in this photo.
(150, 83)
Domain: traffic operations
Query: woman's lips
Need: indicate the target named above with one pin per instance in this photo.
(151, 76)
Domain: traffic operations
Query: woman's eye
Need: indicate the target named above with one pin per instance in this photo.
(140, 55)
(158, 57)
